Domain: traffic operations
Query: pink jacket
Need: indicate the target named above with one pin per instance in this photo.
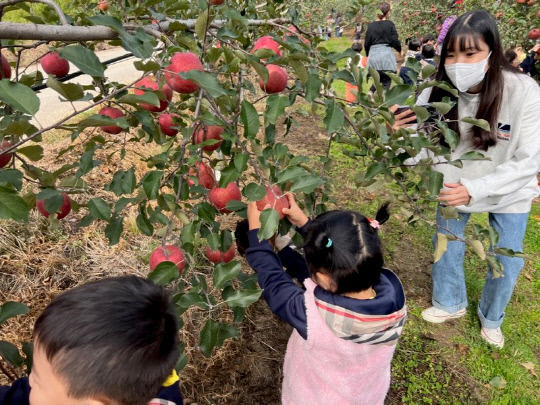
(326, 369)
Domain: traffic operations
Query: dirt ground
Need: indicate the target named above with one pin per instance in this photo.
(37, 262)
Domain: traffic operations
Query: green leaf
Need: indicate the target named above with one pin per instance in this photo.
(240, 161)
(250, 119)
(291, 174)
(269, 224)
(313, 87)
(207, 81)
(99, 209)
(10, 309)
(334, 117)
(477, 122)
(98, 120)
(254, 191)
(442, 242)
(428, 70)
(228, 175)
(300, 70)
(435, 182)
(70, 91)
(164, 273)
(12, 206)
(473, 155)
(375, 169)
(123, 182)
(214, 334)
(307, 184)
(225, 272)
(398, 94)
(498, 382)
(19, 96)
(478, 248)
(275, 107)
(32, 152)
(84, 59)
(151, 183)
(148, 97)
(243, 298)
(114, 229)
(201, 24)
(10, 353)
(13, 177)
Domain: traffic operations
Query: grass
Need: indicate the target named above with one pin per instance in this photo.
(449, 363)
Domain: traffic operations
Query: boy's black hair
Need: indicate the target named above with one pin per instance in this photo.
(241, 236)
(344, 245)
(427, 38)
(414, 44)
(357, 47)
(115, 338)
(428, 51)
(510, 55)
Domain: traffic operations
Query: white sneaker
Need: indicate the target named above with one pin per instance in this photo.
(493, 337)
(436, 315)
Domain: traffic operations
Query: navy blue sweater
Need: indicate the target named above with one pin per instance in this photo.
(286, 299)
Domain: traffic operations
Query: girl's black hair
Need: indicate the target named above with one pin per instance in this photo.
(466, 31)
(344, 245)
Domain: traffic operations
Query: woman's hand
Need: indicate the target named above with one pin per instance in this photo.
(294, 214)
(403, 119)
(253, 216)
(456, 194)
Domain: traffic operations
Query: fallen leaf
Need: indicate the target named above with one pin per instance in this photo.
(530, 366)
(462, 348)
(498, 382)
(527, 276)
(496, 355)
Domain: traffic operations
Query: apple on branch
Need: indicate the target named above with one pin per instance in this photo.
(267, 42)
(182, 62)
(171, 253)
(220, 196)
(151, 84)
(217, 256)
(275, 199)
(205, 175)
(6, 157)
(6, 68)
(206, 133)
(53, 64)
(167, 124)
(63, 211)
(111, 112)
(103, 5)
(277, 80)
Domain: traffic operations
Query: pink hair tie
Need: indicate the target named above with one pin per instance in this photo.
(374, 223)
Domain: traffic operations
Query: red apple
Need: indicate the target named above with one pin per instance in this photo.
(204, 173)
(6, 68)
(219, 196)
(61, 213)
(534, 34)
(277, 80)
(538, 14)
(216, 2)
(5, 158)
(275, 198)
(166, 123)
(54, 65)
(267, 42)
(171, 253)
(206, 133)
(182, 62)
(521, 1)
(149, 83)
(103, 5)
(217, 256)
(530, 2)
(111, 112)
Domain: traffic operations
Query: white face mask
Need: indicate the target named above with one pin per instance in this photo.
(467, 75)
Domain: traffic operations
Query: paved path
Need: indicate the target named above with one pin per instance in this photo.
(52, 109)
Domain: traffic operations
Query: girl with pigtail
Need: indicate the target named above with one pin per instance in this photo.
(347, 321)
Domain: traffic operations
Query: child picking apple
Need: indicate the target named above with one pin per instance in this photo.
(108, 342)
(349, 318)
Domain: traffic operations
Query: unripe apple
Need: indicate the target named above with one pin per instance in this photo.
(205, 175)
(103, 5)
(171, 253)
(61, 213)
(277, 80)
(219, 196)
(534, 34)
(267, 42)
(206, 133)
(166, 123)
(111, 112)
(182, 62)
(217, 256)
(5, 158)
(151, 84)
(54, 65)
(275, 199)
(6, 68)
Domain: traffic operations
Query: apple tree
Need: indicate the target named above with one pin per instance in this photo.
(219, 83)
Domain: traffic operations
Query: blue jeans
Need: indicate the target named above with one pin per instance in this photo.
(449, 291)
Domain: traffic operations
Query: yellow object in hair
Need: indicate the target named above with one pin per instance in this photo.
(171, 379)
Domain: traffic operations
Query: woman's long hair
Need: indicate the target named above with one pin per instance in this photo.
(465, 32)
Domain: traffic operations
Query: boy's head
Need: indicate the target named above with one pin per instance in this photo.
(428, 39)
(428, 51)
(357, 47)
(414, 45)
(112, 342)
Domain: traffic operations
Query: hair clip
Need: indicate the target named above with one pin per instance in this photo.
(329, 243)
(374, 223)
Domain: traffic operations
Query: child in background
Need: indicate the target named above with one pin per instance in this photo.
(108, 342)
(428, 53)
(350, 317)
(413, 52)
(350, 89)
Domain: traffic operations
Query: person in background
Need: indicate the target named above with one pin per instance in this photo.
(529, 63)
(348, 319)
(381, 37)
(350, 89)
(428, 53)
(107, 342)
(512, 57)
(413, 52)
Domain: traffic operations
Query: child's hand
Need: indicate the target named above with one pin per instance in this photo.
(294, 214)
(253, 216)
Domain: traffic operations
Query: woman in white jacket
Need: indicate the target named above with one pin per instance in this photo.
(472, 60)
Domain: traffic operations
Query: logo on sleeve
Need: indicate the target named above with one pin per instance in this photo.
(503, 132)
